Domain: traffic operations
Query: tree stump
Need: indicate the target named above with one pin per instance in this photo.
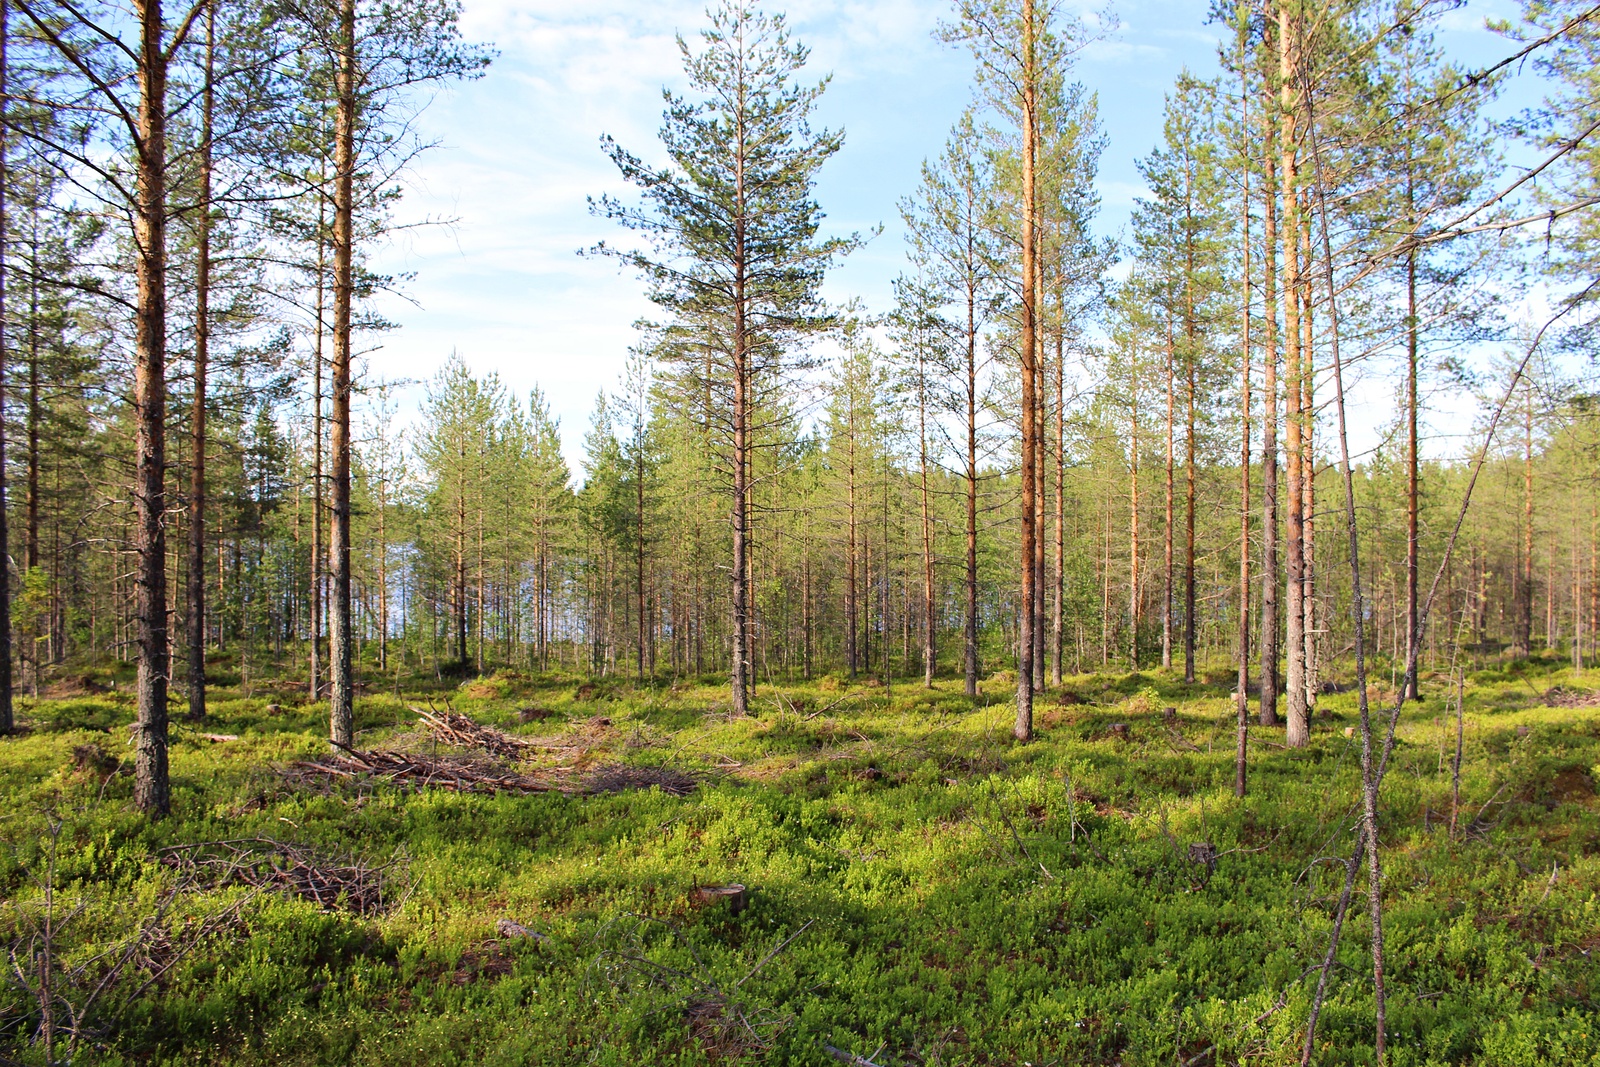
(1204, 853)
(1119, 730)
(736, 895)
(1170, 714)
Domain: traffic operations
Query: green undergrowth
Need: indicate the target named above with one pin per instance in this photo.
(921, 889)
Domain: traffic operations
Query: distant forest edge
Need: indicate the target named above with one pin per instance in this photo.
(1031, 463)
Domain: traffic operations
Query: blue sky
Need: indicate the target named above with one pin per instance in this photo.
(518, 154)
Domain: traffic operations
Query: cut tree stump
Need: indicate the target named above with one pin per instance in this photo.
(1204, 853)
(1119, 730)
(1169, 714)
(736, 895)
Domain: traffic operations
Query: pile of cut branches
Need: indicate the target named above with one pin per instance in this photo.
(342, 883)
(458, 730)
(1563, 696)
(407, 769)
(464, 774)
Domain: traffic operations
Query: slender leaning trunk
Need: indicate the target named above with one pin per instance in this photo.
(151, 791)
(341, 716)
(202, 347)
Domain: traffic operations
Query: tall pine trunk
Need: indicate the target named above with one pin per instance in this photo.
(1135, 592)
(1413, 543)
(929, 608)
(1057, 609)
(1166, 578)
(970, 623)
(341, 712)
(1298, 730)
(1269, 423)
(852, 597)
(1242, 696)
(1023, 728)
(1189, 619)
(30, 545)
(1524, 596)
(1308, 445)
(7, 714)
(740, 670)
(1041, 439)
(316, 665)
(196, 613)
(152, 793)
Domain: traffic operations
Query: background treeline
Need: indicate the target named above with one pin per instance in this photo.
(1056, 451)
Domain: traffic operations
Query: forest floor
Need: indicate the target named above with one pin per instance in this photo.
(919, 888)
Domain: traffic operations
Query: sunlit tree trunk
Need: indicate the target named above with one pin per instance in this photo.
(1167, 532)
(7, 713)
(1135, 597)
(970, 622)
(1041, 439)
(929, 605)
(1269, 422)
(1242, 696)
(151, 791)
(1298, 731)
(1523, 599)
(196, 613)
(341, 639)
(315, 689)
(1308, 404)
(1023, 728)
(1060, 583)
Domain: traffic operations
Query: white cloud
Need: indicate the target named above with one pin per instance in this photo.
(520, 154)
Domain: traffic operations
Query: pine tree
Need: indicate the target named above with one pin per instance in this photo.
(736, 261)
